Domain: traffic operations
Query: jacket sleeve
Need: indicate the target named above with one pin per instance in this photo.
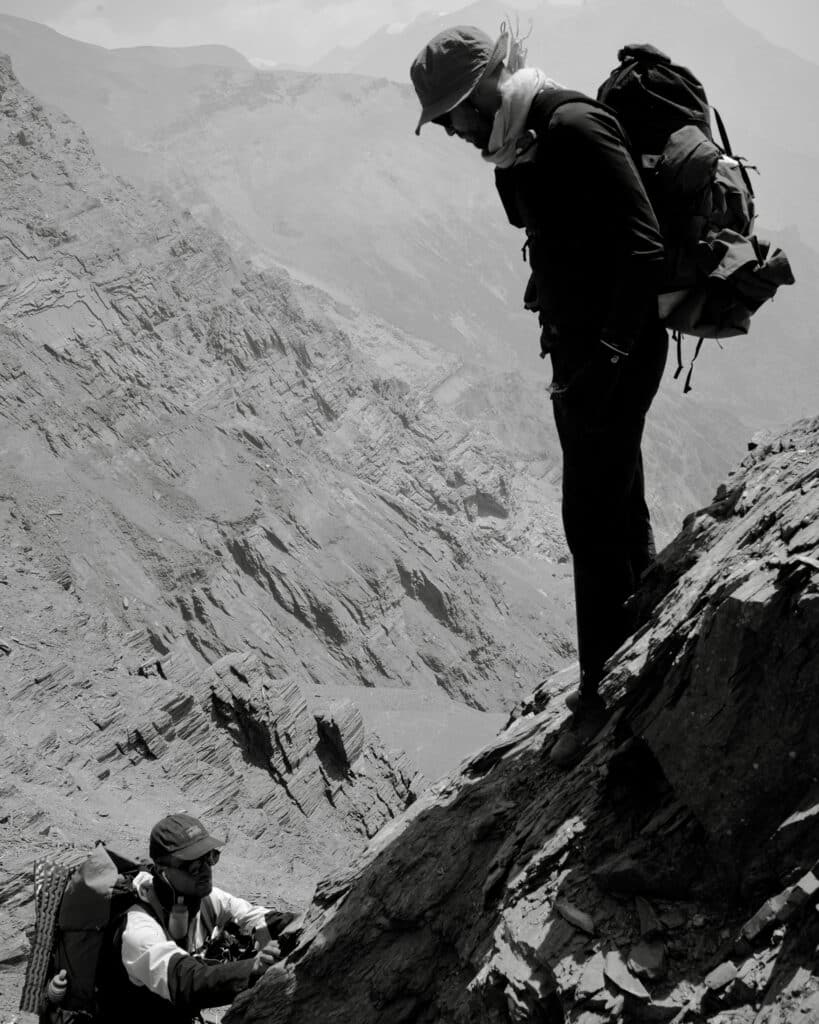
(193, 985)
(153, 960)
(258, 921)
(595, 137)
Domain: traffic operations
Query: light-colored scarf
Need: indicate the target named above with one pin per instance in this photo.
(516, 94)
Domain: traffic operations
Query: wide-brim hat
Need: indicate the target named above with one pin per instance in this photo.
(451, 66)
(181, 836)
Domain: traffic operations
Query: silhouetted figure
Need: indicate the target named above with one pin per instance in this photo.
(565, 175)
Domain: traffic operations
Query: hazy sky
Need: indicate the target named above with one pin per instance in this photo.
(302, 31)
(290, 31)
(293, 31)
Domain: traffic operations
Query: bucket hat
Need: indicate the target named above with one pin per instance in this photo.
(450, 67)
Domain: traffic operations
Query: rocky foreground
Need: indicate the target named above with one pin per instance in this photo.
(670, 875)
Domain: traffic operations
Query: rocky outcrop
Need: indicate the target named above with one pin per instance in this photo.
(213, 505)
(216, 506)
(670, 875)
(208, 450)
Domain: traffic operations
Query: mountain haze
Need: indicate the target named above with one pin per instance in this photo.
(425, 245)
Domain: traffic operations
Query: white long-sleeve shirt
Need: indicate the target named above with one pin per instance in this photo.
(147, 948)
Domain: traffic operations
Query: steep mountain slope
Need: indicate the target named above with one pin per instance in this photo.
(423, 241)
(242, 428)
(220, 516)
(423, 236)
(672, 874)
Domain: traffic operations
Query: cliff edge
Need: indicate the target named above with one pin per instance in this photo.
(670, 875)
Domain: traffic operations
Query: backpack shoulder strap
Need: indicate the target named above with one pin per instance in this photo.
(548, 101)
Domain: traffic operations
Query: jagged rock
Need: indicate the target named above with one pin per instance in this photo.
(618, 973)
(721, 976)
(650, 924)
(579, 918)
(592, 980)
(342, 727)
(647, 960)
(484, 900)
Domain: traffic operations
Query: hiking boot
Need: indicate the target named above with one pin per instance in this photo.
(584, 693)
(589, 718)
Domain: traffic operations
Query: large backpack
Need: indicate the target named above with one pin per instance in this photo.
(78, 932)
(718, 273)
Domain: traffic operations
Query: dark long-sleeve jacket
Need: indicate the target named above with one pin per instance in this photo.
(594, 243)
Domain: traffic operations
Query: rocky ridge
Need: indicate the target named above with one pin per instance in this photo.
(230, 438)
(672, 874)
(217, 507)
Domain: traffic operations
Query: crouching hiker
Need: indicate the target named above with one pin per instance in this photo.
(161, 960)
(565, 175)
(178, 914)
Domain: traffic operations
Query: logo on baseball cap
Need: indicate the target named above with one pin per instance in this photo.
(182, 836)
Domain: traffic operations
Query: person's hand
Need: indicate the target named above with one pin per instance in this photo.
(265, 958)
(57, 987)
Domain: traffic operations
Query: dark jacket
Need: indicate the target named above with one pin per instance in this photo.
(594, 242)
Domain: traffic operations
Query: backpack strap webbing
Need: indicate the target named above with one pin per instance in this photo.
(548, 101)
(688, 384)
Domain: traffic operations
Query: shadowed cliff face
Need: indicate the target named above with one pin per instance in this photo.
(669, 874)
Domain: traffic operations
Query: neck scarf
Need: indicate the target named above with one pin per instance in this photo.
(516, 94)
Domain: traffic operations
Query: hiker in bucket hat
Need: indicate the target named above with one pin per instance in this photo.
(564, 175)
(161, 966)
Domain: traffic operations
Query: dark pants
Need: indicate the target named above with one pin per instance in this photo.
(600, 411)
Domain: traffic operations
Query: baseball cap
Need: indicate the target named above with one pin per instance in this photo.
(182, 836)
(450, 66)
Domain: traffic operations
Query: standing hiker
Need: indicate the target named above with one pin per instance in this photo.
(157, 971)
(564, 174)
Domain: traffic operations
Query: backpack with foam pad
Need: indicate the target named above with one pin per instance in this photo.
(718, 273)
(97, 894)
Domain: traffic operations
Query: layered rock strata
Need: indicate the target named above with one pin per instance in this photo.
(671, 874)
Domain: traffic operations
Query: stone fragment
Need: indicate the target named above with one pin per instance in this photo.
(576, 917)
(650, 924)
(760, 438)
(800, 981)
(593, 979)
(616, 970)
(658, 1011)
(15, 952)
(800, 893)
(4, 647)
(621, 873)
(767, 914)
(673, 919)
(721, 976)
(647, 960)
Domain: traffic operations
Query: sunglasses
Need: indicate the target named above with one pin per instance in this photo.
(193, 867)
